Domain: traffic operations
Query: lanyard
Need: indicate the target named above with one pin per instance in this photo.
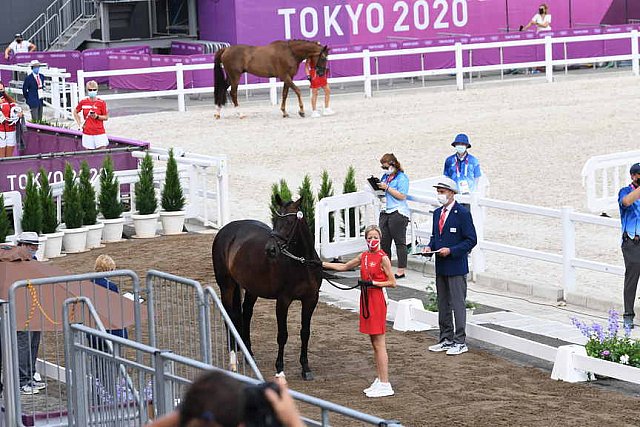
(458, 161)
(366, 265)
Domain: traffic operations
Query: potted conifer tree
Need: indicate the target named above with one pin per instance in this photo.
(32, 213)
(109, 204)
(172, 200)
(4, 221)
(89, 207)
(145, 221)
(75, 235)
(53, 248)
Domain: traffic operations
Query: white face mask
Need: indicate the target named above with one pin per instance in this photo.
(442, 199)
(460, 149)
(391, 170)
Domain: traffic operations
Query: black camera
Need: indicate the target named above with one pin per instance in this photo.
(258, 410)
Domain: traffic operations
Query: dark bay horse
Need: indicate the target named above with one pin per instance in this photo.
(279, 264)
(279, 59)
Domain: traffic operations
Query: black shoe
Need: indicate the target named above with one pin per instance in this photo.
(399, 276)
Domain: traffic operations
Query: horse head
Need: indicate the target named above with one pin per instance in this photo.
(289, 219)
(303, 49)
(321, 61)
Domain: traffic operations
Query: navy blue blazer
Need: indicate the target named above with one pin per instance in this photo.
(459, 235)
(30, 91)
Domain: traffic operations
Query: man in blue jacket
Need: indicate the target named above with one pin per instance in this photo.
(453, 236)
(32, 89)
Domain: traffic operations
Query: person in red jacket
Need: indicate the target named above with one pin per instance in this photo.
(375, 274)
(94, 114)
(8, 119)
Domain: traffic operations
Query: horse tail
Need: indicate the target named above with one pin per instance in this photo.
(220, 83)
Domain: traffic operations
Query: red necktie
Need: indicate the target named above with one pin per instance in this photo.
(442, 218)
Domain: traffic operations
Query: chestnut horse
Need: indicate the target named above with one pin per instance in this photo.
(279, 264)
(279, 59)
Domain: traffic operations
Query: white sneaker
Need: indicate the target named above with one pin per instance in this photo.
(441, 346)
(315, 114)
(381, 390)
(38, 385)
(457, 349)
(328, 112)
(28, 390)
(372, 386)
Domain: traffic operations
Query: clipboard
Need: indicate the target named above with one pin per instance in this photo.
(373, 182)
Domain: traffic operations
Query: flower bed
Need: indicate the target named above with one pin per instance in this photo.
(610, 344)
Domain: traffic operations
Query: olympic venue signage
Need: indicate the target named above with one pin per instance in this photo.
(346, 22)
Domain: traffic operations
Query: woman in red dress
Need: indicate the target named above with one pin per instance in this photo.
(376, 273)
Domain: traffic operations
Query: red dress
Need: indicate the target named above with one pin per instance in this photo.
(371, 269)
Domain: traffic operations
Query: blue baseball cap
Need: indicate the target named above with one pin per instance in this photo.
(461, 138)
(635, 168)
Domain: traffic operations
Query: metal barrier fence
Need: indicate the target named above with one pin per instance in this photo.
(131, 392)
(34, 364)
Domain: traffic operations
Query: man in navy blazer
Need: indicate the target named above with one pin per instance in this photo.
(32, 90)
(452, 237)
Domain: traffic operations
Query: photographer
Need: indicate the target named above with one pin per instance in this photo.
(94, 114)
(216, 399)
(628, 200)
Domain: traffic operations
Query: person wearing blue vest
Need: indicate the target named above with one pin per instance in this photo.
(629, 202)
(463, 167)
(453, 235)
(32, 89)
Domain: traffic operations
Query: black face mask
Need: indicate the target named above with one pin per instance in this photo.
(18, 40)
(541, 11)
(1, 92)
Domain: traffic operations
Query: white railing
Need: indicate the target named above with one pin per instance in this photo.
(13, 201)
(204, 179)
(56, 88)
(367, 77)
(423, 205)
(603, 176)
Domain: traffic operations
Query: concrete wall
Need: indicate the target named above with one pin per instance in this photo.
(16, 15)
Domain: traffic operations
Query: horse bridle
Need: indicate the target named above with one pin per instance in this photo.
(364, 300)
(321, 70)
(284, 247)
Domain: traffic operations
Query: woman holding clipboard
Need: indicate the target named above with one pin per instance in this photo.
(395, 215)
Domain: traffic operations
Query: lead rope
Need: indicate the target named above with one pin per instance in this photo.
(364, 291)
(35, 303)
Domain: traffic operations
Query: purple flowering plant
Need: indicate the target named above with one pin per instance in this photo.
(611, 343)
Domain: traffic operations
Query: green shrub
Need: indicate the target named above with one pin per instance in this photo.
(87, 195)
(307, 207)
(31, 206)
(430, 300)
(49, 214)
(350, 186)
(326, 190)
(145, 193)
(108, 202)
(4, 221)
(72, 207)
(172, 196)
(285, 195)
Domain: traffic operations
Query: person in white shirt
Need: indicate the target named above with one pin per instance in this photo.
(19, 45)
(542, 19)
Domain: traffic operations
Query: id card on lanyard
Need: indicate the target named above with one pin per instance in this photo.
(40, 89)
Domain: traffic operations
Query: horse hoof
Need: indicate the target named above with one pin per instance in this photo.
(301, 113)
(285, 115)
(307, 376)
(216, 116)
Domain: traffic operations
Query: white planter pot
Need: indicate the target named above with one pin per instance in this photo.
(112, 231)
(94, 235)
(53, 249)
(42, 244)
(75, 240)
(172, 222)
(145, 225)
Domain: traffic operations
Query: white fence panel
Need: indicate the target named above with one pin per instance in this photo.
(603, 176)
(13, 201)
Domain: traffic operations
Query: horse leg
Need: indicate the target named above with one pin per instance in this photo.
(231, 302)
(289, 81)
(282, 310)
(308, 306)
(283, 105)
(247, 312)
(235, 80)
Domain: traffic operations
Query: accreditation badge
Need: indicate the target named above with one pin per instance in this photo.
(463, 185)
